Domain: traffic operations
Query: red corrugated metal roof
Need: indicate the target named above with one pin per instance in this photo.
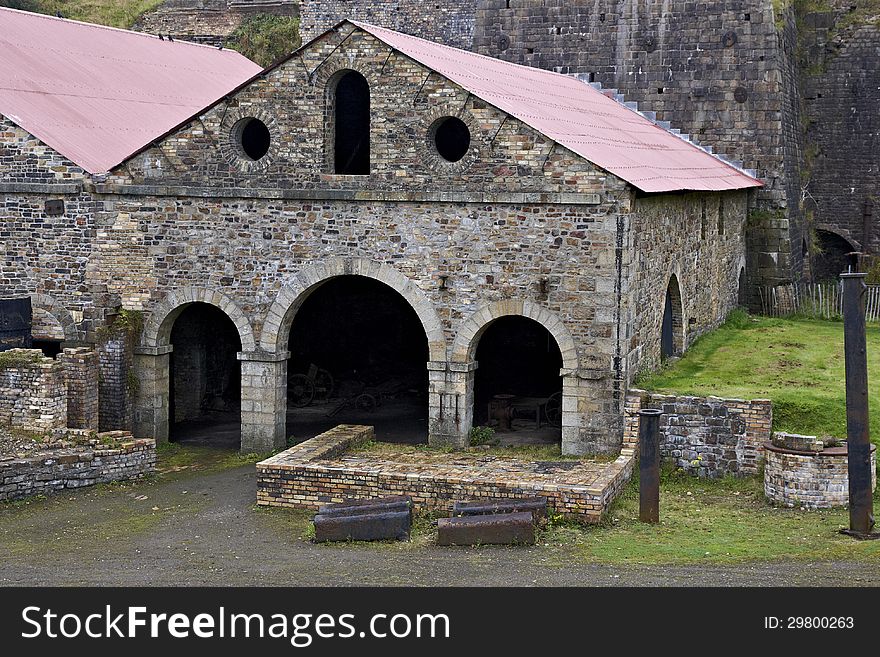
(578, 117)
(98, 94)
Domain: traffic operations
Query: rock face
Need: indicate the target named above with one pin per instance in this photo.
(208, 21)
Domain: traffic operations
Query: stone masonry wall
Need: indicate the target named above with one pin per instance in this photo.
(82, 374)
(707, 436)
(33, 392)
(448, 21)
(700, 240)
(66, 469)
(840, 67)
(718, 70)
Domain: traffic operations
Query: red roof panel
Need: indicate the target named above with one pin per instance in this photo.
(577, 116)
(98, 94)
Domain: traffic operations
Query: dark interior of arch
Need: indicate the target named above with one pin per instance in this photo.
(372, 343)
(205, 390)
(831, 258)
(352, 125)
(516, 356)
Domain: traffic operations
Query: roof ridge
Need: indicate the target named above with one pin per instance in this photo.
(108, 27)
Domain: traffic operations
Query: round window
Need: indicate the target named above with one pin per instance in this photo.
(452, 138)
(251, 137)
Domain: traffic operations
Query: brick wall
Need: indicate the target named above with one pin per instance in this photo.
(33, 392)
(707, 436)
(115, 403)
(810, 479)
(82, 374)
(72, 468)
(299, 478)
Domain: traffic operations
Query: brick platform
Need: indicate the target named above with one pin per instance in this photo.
(324, 469)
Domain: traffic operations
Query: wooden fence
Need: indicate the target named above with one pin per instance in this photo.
(819, 300)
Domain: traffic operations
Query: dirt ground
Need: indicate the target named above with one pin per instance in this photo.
(197, 525)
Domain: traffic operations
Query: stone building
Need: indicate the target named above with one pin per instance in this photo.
(390, 209)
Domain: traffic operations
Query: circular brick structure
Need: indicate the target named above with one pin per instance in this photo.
(809, 479)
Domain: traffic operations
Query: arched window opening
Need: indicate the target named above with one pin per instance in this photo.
(351, 145)
(671, 329)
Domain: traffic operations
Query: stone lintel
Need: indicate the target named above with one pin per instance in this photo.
(261, 356)
(154, 351)
(40, 188)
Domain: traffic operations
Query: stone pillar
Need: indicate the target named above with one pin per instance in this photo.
(81, 373)
(450, 403)
(263, 401)
(590, 422)
(152, 368)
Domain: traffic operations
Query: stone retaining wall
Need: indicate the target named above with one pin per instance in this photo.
(33, 392)
(61, 469)
(306, 477)
(810, 479)
(707, 436)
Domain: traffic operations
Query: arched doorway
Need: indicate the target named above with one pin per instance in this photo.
(517, 384)
(358, 355)
(671, 327)
(205, 378)
(830, 259)
(742, 294)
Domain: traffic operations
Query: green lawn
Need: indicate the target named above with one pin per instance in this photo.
(115, 13)
(798, 363)
(711, 521)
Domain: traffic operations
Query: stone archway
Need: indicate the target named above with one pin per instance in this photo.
(60, 314)
(672, 339)
(152, 362)
(157, 329)
(461, 377)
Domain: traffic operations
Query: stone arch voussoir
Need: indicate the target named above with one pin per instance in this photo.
(276, 328)
(464, 347)
(157, 330)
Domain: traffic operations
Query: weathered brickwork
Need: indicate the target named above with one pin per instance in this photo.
(33, 392)
(81, 374)
(707, 436)
(115, 398)
(318, 471)
(809, 479)
(449, 21)
(523, 227)
(70, 468)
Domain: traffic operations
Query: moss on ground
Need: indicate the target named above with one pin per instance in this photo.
(523, 452)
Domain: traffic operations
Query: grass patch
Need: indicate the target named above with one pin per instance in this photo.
(115, 13)
(709, 521)
(265, 38)
(797, 363)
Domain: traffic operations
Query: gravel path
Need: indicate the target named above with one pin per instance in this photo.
(202, 529)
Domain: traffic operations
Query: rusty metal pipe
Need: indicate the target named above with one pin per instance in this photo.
(649, 465)
(861, 504)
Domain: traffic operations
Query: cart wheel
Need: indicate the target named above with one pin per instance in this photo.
(300, 391)
(366, 402)
(323, 385)
(553, 409)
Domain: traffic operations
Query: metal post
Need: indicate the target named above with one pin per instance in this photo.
(861, 505)
(649, 465)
